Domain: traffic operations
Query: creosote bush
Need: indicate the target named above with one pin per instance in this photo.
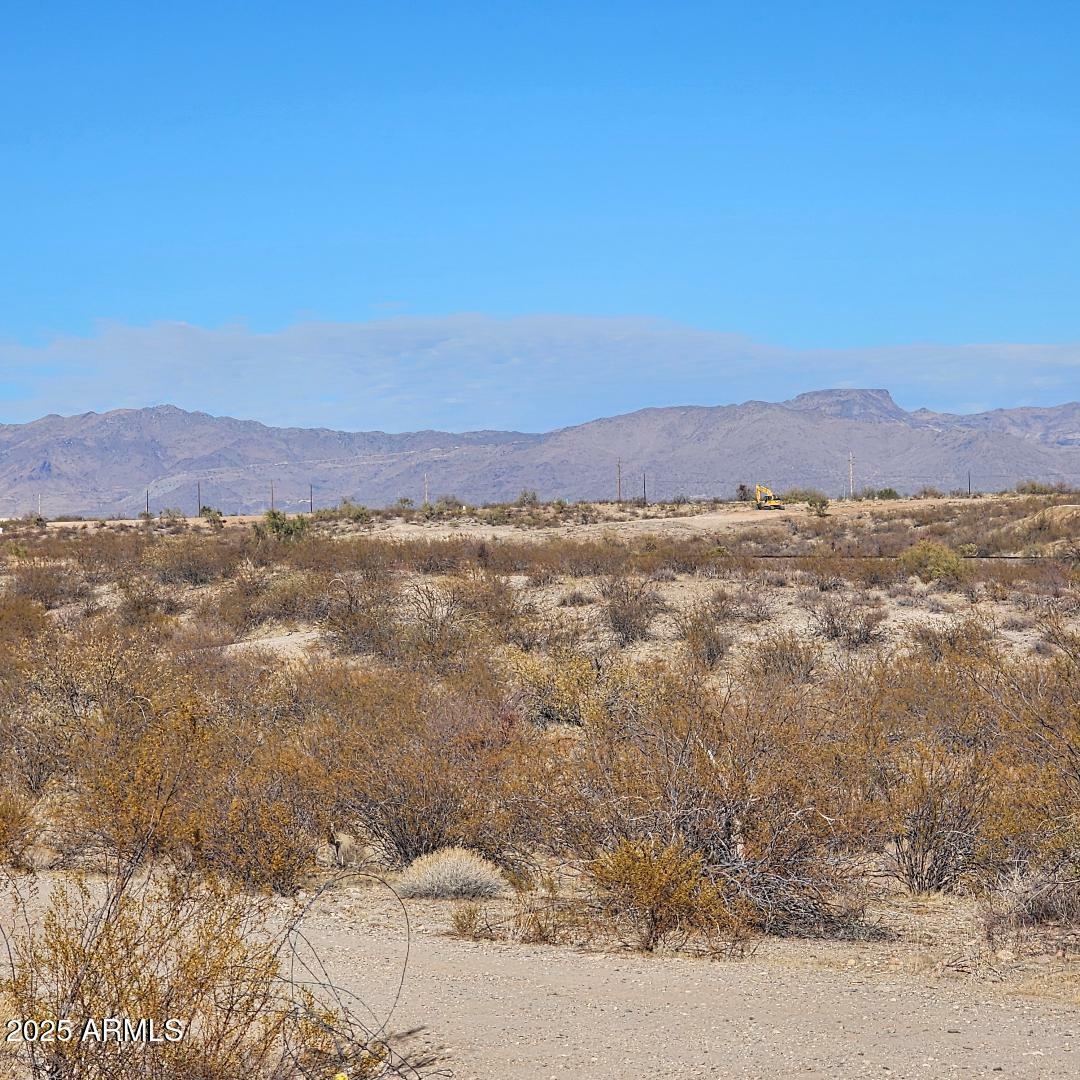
(932, 561)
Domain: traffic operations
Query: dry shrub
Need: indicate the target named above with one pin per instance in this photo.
(18, 827)
(847, 621)
(422, 626)
(264, 836)
(935, 804)
(170, 950)
(738, 780)
(753, 604)
(1060, 638)
(144, 601)
(630, 607)
(235, 605)
(652, 893)
(57, 686)
(490, 597)
(452, 873)
(722, 606)
(191, 560)
(20, 619)
(561, 687)
(416, 770)
(154, 770)
(542, 575)
(437, 628)
(784, 656)
(958, 638)
(707, 642)
(361, 617)
(48, 583)
(254, 598)
(1023, 900)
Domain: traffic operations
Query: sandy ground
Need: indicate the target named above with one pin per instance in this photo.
(497, 1011)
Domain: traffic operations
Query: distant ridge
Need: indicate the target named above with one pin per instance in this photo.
(103, 463)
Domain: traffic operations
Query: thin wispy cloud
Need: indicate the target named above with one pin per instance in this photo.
(475, 371)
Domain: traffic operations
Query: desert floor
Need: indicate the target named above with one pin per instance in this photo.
(499, 1011)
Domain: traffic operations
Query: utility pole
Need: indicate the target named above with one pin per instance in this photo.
(311, 498)
(425, 490)
(644, 492)
(851, 475)
(618, 480)
(271, 494)
(198, 505)
(148, 502)
(969, 483)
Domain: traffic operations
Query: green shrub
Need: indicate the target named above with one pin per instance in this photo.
(932, 561)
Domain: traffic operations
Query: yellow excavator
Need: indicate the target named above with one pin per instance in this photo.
(764, 499)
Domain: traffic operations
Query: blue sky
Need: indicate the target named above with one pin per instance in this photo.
(642, 204)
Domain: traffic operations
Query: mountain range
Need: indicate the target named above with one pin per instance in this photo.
(105, 463)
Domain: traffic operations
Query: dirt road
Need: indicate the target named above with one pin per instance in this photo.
(517, 1012)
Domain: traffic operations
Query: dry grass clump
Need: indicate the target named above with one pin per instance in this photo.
(452, 873)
